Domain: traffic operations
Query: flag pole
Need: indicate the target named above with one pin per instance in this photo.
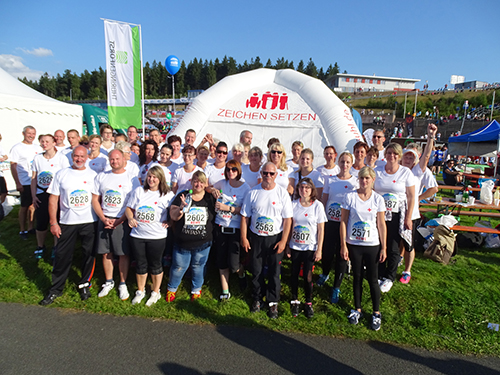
(142, 87)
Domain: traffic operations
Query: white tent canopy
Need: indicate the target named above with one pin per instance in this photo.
(272, 103)
(20, 105)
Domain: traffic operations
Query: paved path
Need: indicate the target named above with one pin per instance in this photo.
(38, 340)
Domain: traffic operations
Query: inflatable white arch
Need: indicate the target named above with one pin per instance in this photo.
(270, 103)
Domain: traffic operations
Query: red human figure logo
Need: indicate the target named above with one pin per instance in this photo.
(253, 102)
(265, 98)
(284, 101)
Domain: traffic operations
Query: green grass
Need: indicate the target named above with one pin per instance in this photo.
(443, 308)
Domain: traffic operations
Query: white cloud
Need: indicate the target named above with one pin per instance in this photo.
(14, 65)
(39, 52)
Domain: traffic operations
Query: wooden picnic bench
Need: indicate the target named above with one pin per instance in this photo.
(494, 215)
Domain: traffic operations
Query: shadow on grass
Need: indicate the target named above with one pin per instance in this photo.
(284, 351)
(452, 366)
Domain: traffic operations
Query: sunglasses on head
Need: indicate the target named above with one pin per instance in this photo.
(276, 152)
(221, 152)
(231, 169)
(265, 173)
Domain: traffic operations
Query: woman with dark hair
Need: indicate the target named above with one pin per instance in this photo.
(147, 158)
(215, 172)
(181, 179)
(166, 164)
(96, 161)
(297, 148)
(362, 238)
(147, 216)
(333, 195)
(229, 193)
(175, 141)
(360, 149)
(371, 157)
(193, 235)
(329, 169)
(306, 242)
(44, 167)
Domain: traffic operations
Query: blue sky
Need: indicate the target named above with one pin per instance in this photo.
(426, 40)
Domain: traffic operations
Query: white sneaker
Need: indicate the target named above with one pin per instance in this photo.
(106, 288)
(386, 286)
(123, 292)
(139, 295)
(155, 297)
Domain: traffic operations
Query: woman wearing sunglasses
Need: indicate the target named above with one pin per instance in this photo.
(215, 172)
(277, 156)
(229, 194)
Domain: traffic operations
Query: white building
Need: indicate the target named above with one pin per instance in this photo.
(360, 83)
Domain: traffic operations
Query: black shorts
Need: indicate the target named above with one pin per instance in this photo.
(438, 163)
(3, 186)
(26, 197)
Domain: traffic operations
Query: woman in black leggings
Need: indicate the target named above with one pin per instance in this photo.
(362, 238)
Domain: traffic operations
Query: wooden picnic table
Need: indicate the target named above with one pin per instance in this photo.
(450, 202)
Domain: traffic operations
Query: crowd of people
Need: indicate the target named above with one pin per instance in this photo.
(172, 204)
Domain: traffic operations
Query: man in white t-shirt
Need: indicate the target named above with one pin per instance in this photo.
(107, 136)
(71, 194)
(189, 138)
(246, 138)
(60, 137)
(21, 158)
(109, 198)
(267, 211)
(74, 141)
(156, 136)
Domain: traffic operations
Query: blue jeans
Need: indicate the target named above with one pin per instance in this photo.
(182, 259)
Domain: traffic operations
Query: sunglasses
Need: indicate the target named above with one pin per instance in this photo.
(232, 169)
(276, 152)
(378, 136)
(221, 152)
(265, 173)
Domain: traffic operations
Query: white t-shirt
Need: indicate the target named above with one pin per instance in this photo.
(267, 208)
(251, 178)
(329, 172)
(98, 164)
(428, 181)
(317, 178)
(46, 169)
(23, 154)
(114, 190)
(233, 197)
(105, 150)
(74, 188)
(214, 175)
(381, 159)
(179, 160)
(336, 190)
(354, 172)
(282, 177)
(294, 166)
(134, 158)
(150, 212)
(143, 170)
(362, 223)
(2, 153)
(169, 173)
(417, 178)
(183, 178)
(131, 168)
(305, 225)
(392, 187)
(68, 152)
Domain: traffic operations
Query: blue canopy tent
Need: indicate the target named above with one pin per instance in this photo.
(481, 142)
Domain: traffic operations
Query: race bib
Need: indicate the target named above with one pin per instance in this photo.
(196, 216)
(391, 202)
(146, 215)
(79, 199)
(334, 212)
(112, 199)
(301, 235)
(362, 231)
(264, 225)
(44, 179)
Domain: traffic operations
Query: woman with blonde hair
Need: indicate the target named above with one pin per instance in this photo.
(306, 170)
(277, 156)
(147, 216)
(362, 238)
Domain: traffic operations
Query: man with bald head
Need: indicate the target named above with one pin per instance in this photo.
(71, 215)
(59, 136)
(267, 211)
(109, 199)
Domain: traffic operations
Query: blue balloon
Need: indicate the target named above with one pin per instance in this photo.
(172, 64)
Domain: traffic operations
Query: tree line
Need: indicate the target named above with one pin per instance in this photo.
(197, 74)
